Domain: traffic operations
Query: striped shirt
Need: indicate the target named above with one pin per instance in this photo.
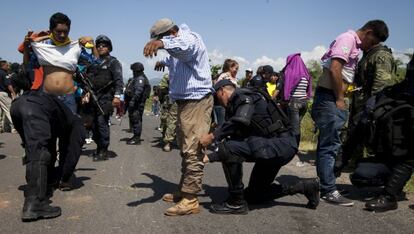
(301, 90)
(188, 65)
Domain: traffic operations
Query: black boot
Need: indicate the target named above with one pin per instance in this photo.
(307, 187)
(235, 204)
(96, 152)
(34, 210)
(102, 156)
(135, 140)
(229, 207)
(383, 203)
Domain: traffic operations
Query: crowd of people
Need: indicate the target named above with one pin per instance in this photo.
(64, 93)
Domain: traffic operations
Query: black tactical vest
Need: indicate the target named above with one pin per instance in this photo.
(268, 119)
(101, 75)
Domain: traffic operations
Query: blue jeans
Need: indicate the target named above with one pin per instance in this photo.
(70, 101)
(329, 120)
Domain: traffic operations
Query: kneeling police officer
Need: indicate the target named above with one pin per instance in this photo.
(137, 93)
(256, 130)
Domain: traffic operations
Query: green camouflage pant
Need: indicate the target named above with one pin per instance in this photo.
(169, 122)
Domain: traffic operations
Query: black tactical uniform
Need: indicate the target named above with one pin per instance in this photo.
(256, 131)
(137, 94)
(106, 78)
(391, 169)
(257, 81)
(40, 119)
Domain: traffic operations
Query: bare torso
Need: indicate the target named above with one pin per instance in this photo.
(57, 80)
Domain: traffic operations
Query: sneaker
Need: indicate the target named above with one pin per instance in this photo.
(336, 198)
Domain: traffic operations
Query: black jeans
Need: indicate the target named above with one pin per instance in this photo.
(296, 109)
(40, 119)
(393, 174)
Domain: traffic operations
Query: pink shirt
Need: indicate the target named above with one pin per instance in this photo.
(346, 47)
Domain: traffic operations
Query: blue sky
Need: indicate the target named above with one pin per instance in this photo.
(252, 32)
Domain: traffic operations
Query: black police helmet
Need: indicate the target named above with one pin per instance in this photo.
(105, 40)
(137, 67)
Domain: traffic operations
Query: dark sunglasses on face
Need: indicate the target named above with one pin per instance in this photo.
(102, 46)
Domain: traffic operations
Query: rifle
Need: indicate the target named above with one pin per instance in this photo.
(88, 87)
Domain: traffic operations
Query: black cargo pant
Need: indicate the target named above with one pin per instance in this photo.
(40, 119)
(135, 116)
(269, 155)
(393, 174)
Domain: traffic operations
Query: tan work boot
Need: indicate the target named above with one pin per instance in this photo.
(187, 205)
(172, 197)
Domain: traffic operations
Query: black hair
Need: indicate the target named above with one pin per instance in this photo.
(58, 18)
(379, 28)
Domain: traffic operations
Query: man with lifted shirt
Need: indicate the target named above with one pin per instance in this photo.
(40, 118)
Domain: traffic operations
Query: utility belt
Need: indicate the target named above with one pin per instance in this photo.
(277, 129)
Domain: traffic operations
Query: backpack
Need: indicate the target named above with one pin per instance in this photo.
(390, 124)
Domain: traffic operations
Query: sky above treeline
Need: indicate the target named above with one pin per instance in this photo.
(254, 32)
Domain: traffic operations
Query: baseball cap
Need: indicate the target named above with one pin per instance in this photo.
(249, 69)
(161, 26)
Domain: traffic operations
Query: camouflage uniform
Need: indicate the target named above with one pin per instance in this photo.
(374, 73)
(168, 113)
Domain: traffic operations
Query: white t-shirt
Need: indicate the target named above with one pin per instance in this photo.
(59, 56)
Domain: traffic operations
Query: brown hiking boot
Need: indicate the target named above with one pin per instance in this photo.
(184, 207)
(172, 197)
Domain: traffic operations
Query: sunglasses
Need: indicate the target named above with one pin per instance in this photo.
(102, 46)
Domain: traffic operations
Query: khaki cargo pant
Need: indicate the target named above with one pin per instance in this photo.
(194, 119)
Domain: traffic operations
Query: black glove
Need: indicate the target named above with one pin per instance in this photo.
(338, 166)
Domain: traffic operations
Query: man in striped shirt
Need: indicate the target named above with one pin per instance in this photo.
(191, 88)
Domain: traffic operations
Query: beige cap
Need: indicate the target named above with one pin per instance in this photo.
(160, 27)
